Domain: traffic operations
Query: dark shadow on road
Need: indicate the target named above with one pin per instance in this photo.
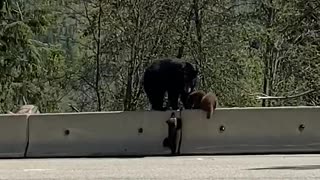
(303, 167)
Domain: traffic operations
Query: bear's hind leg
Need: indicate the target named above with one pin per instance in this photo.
(173, 97)
(156, 101)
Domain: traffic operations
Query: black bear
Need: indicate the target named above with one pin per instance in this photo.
(200, 100)
(176, 77)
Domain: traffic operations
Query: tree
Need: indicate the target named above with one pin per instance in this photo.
(31, 71)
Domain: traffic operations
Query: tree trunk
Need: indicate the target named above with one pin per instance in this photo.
(201, 56)
(186, 34)
(268, 58)
(98, 57)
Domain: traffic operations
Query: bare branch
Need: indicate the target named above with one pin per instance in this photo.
(89, 83)
(24, 100)
(21, 16)
(264, 96)
(74, 108)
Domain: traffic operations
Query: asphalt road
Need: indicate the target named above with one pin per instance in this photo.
(188, 167)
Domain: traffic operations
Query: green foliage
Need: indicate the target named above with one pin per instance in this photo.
(31, 71)
(92, 54)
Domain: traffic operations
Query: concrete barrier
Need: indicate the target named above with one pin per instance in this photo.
(13, 135)
(252, 130)
(229, 131)
(98, 134)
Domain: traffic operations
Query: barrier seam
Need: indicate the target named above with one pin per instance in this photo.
(27, 133)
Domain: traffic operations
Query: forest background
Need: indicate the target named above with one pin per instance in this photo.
(91, 54)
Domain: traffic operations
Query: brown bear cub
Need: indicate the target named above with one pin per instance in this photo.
(194, 99)
(209, 104)
(200, 100)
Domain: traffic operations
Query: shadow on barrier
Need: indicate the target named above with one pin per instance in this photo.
(94, 156)
(302, 167)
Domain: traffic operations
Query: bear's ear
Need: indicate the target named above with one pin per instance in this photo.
(189, 69)
(196, 72)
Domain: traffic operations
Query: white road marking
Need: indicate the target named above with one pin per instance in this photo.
(26, 170)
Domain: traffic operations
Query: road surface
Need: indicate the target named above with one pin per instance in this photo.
(167, 168)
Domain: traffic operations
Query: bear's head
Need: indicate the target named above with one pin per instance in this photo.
(190, 78)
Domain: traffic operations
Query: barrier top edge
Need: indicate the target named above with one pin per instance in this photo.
(10, 115)
(141, 111)
(271, 108)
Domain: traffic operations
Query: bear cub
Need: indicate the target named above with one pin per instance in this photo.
(200, 100)
(194, 99)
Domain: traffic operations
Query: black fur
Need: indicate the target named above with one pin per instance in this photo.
(176, 77)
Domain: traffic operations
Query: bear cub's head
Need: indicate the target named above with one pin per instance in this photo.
(194, 99)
